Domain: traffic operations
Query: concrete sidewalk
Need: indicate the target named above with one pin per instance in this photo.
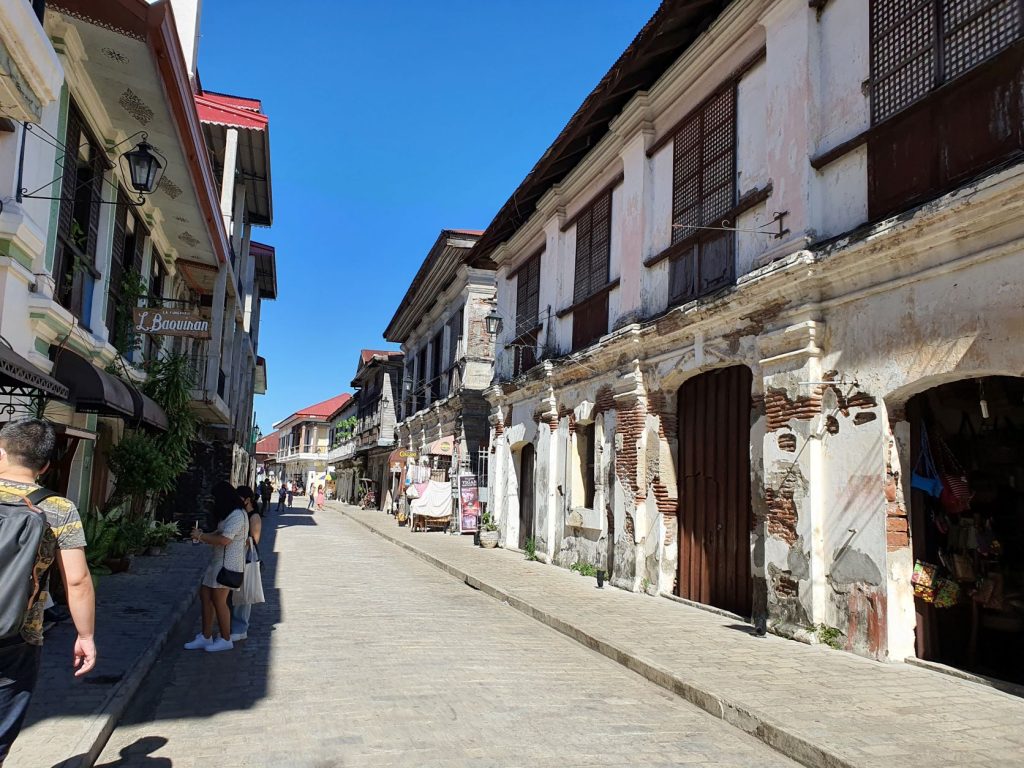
(819, 706)
(70, 719)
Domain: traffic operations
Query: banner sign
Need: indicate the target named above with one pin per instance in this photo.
(158, 321)
(469, 504)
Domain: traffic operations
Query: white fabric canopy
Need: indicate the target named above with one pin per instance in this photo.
(435, 500)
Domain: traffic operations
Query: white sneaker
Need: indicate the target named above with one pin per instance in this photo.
(220, 644)
(198, 643)
(235, 637)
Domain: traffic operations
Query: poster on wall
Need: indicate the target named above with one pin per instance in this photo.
(469, 504)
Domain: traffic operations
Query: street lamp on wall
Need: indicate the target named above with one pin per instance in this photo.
(493, 322)
(144, 167)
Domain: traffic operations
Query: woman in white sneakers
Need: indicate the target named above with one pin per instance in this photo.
(228, 555)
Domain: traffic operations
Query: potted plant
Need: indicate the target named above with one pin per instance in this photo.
(158, 535)
(488, 532)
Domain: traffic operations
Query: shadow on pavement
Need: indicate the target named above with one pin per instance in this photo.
(136, 755)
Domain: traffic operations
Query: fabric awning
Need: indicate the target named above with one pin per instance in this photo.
(147, 412)
(399, 455)
(93, 390)
(444, 446)
(18, 373)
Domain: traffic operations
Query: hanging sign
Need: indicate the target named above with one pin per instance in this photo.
(171, 322)
(469, 504)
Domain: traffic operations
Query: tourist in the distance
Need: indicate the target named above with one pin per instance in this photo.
(282, 496)
(320, 498)
(240, 613)
(266, 492)
(291, 493)
(312, 496)
(228, 551)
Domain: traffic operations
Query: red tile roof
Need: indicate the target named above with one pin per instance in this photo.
(268, 444)
(324, 409)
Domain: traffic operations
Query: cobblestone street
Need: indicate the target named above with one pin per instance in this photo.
(366, 656)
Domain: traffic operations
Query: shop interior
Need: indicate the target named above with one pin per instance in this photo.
(967, 525)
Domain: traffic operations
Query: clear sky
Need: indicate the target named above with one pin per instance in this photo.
(390, 121)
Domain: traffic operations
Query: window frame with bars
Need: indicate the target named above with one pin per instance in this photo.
(592, 269)
(527, 323)
(709, 131)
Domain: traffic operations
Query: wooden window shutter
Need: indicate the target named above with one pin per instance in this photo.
(95, 197)
(581, 278)
(69, 177)
(600, 242)
(703, 194)
(116, 272)
(140, 245)
(527, 296)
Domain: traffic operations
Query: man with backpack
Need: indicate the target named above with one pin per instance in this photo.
(37, 529)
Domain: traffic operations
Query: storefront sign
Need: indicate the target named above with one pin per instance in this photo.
(171, 322)
(469, 504)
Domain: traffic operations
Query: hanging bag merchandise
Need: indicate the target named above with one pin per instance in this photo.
(251, 592)
(925, 476)
(924, 580)
(956, 493)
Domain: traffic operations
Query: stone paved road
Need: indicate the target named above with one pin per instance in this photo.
(366, 656)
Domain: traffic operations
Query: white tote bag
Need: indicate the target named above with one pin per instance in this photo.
(251, 592)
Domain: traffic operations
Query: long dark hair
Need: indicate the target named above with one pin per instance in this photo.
(225, 500)
(245, 492)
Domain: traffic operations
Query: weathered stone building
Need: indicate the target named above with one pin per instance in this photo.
(759, 259)
(449, 356)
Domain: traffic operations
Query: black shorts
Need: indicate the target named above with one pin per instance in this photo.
(19, 668)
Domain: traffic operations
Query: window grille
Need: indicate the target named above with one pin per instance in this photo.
(917, 45)
(703, 194)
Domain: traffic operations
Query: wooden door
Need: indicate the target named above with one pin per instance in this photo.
(714, 489)
(527, 493)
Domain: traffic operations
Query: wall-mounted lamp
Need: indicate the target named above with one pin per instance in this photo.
(142, 167)
(493, 322)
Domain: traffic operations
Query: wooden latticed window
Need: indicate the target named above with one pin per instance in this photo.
(527, 311)
(78, 218)
(703, 193)
(593, 256)
(917, 45)
(946, 95)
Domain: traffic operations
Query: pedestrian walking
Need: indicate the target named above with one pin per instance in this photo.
(320, 498)
(266, 493)
(312, 496)
(282, 496)
(240, 613)
(37, 529)
(291, 493)
(224, 573)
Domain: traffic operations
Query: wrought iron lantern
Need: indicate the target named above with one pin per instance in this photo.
(494, 323)
(144, 168)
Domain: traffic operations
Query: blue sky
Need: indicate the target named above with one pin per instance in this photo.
(390, 121)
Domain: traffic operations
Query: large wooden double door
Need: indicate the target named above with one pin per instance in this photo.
(714, 489)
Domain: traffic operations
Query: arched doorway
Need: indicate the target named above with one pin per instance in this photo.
(969, 538)
(714, 489)
(527, 493)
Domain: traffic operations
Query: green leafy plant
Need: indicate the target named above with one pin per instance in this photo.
(160, 533)
(531, 549)
(133, 288)
(169, 383)
(344, 429)
(487, 522)
(78, 235)
(645, 584)
(100, 534)
(583, 569)
(830, 636)
(141, 466)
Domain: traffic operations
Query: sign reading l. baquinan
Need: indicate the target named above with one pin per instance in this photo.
(171, 322)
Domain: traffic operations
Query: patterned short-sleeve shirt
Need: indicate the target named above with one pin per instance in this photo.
(63, 531)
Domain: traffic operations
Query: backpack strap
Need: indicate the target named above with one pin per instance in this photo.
(38, 496)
